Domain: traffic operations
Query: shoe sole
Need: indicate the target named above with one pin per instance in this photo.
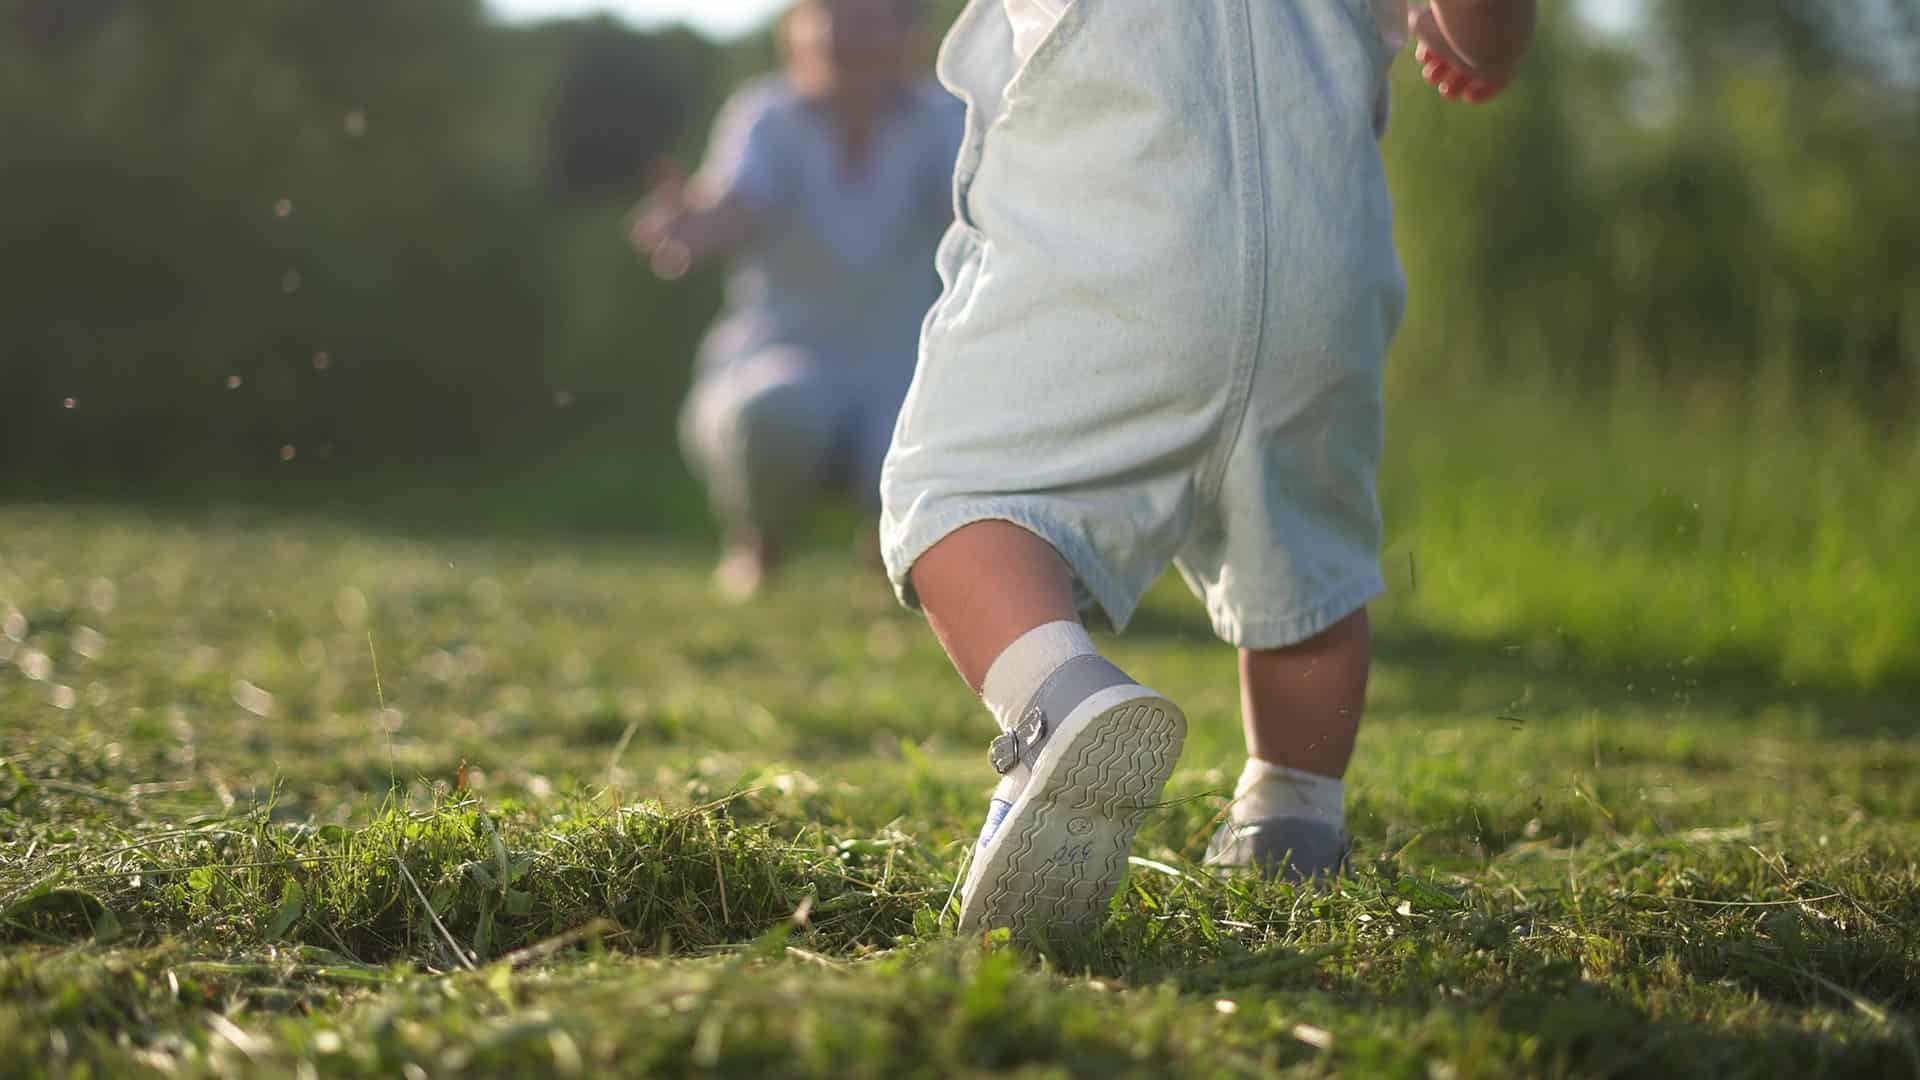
(1056, 861)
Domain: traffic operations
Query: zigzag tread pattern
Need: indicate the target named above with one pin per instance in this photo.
(1117, 766)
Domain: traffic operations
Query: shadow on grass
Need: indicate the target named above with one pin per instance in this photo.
(1577, 1026)
(1589, 1030)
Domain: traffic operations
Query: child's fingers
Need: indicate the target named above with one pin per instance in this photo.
(1452, 81)
(1455, 84)
(1482, 92)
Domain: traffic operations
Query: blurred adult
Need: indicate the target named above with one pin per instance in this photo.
(828, 186)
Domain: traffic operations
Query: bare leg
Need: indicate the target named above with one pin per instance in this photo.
(761, 433)
(747, 560)
(1301, 705)
(986, 584)
(1076, 775)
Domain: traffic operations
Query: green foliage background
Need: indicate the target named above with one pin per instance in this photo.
(195, 193)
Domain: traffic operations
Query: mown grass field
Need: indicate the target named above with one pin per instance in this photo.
(298, 792)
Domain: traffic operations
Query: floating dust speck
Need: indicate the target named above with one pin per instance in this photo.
(390, 719)
(322, 361)
(289, 452)
(290, 282)
(1226, 1007)
(355, 123)
(562, 398)
(253, 699)
(234, 381)
(283, 208)
(102, 595)
(62, 697)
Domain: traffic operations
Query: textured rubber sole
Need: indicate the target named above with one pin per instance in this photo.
(1055, 862)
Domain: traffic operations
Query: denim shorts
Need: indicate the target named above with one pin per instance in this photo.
(1169, 293)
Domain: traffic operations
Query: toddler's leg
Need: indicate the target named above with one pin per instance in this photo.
(1301, 707)
(984, 586)
(1084, 750)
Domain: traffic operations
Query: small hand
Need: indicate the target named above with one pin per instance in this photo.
(661, 223)
(1443, 66)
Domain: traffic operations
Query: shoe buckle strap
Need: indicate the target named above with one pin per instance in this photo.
(1005, 751)
(1065, 689)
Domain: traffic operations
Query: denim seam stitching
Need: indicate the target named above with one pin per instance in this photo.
(1250, 334)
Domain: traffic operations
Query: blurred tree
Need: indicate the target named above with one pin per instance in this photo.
(228, 229)
(1720, 193)
(225, 231)
(1871, 40)
(623, 99)
(53, 24)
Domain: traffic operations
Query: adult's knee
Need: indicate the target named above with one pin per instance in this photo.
(783, 424)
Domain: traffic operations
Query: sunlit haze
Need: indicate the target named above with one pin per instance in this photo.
(729, 17)
(719, 17)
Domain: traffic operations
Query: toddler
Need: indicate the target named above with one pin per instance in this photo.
(1169, 292)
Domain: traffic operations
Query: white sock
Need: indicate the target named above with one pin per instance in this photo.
(1267, 790)
(1019, 670)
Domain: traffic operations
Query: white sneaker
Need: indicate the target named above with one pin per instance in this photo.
(1089, 757)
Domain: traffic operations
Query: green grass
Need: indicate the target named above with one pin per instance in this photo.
(434, 776)
(1766, 532)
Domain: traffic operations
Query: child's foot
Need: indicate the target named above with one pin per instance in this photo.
(744, 568)
(1289, 848)
(1087, 759)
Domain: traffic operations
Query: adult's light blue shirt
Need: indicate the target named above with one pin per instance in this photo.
(840, 262)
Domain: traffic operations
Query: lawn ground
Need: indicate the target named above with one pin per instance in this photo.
(297, 796)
